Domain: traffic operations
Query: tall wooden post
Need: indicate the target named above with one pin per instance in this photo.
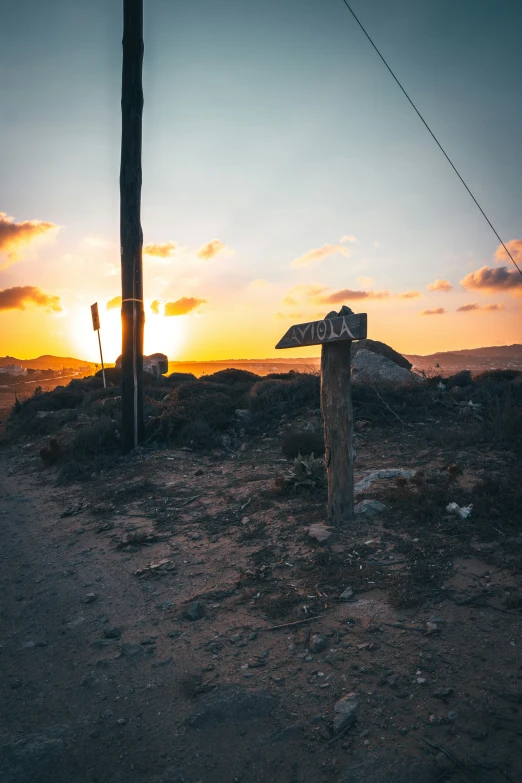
(336, 406)
(131, 236)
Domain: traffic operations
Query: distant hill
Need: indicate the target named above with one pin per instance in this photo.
(46, 362)
(474, 359)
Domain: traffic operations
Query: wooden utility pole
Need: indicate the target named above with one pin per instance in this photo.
(334, 334)
(131, 236)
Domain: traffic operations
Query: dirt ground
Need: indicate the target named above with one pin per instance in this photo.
(171, 620)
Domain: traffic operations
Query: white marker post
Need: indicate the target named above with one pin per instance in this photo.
(96, 326)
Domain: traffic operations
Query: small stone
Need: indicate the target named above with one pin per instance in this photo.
(194, 611)
(431, 628)
(369, 508)
(255, 664)
(442, 693)
(121, 721)
(345, 712)
(112, 633)
(198, 472)
(245, 520)
(346, 594)
(236, 637)
(88, 598)
(317, 643)
(132, 649)
(320, 533)
(452, 716)
(252, 636)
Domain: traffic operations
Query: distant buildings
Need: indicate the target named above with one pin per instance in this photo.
(13, 369)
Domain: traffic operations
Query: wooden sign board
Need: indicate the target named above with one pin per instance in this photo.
(329, 330)
(95, 317)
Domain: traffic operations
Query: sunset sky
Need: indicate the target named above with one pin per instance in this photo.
(284, 174)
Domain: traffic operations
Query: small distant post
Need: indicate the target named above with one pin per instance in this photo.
(96, 326)
(334, 334)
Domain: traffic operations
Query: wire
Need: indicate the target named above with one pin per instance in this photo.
(437, 142)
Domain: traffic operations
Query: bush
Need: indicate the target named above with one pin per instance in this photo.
(271, 398)
(232, 376)
(303, 442)
(100, 437)
(180, 377)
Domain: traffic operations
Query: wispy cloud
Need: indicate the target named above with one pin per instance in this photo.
(112, 304)
(160, 250)
(366, 282)
(474, 306)
(155, 306)
(13, 235)
(410, 295)
(211, 249)
(515, 248)
(318, 254)
(19, 297)
(499, 279)
(348, 238)
(440, 285)
(183, 306)
(347, 295)
(95, 243)
(436, 311)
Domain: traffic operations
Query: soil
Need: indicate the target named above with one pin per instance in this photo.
(158, 622)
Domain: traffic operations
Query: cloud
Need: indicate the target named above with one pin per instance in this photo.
(14, 235)
(183, 306)
(18, 297)
(155, 305)
(165, 250)
(286, 316)
(318, 254)
(211, 249)
(437, 311)
(259, 284)
(499, 279)
(475, 306)
(409, 295)
(515, 248)
(440, 285)
(112, 304)
(348, 238)
(347, 295)
(96, 243)
(367, 282)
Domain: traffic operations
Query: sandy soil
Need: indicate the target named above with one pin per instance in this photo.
(106, 677)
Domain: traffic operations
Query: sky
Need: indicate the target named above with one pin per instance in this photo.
(284, 174)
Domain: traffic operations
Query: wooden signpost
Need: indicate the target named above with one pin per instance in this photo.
(334, 334)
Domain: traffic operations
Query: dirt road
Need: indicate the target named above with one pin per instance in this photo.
(138, 641)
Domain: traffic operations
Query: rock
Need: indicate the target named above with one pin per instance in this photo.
(373, 369)
(112, 633)
(384, 473)
(132, 649)
(89, 598)
(389, 766)
(32, 758)
(232, 704)
(194, 611)
(317, 643)
(369, 508)
(345, 712)
(321, 533)
(375, 346)
(156, 364)
(199, 472)
(346, 594)
(242, 413)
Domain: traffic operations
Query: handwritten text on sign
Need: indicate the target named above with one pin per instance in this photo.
(347, 327)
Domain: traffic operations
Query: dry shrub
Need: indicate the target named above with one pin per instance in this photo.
(271, 398)
(303, 442)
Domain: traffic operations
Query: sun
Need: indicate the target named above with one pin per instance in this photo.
(162, 335)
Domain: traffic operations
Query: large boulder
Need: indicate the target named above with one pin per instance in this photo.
(373, 369)
(382, 349)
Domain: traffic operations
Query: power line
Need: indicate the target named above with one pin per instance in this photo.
(437, 142)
